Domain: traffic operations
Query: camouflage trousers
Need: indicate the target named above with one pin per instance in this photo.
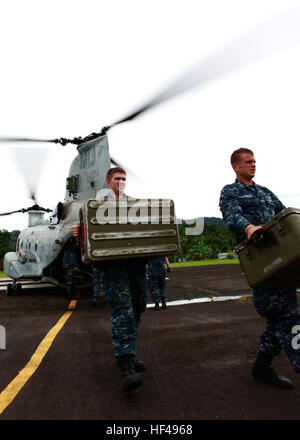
(279, 306)
(157, 287)
(97, 281)
(124, 288)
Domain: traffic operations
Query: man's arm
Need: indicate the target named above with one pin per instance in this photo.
(278, 205)
(167, 264)
(232, 211)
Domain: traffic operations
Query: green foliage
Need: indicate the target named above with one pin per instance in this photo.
(230, 255)
(216, 238)
(5, 238)
(7, 242)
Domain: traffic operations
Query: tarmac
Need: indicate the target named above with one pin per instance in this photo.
(198, 355)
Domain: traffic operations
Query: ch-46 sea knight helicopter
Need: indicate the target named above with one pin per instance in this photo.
(38, 254)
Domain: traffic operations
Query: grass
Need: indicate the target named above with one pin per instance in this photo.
(3, 275)
(205, 262)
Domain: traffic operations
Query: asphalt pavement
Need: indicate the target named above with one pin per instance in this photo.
(198, 356)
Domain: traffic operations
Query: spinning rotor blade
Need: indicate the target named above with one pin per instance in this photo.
(280, 32)
(30, 162)
(116, 164)
(11, 139)
(12, 212)
(132, 175)
(31, 208)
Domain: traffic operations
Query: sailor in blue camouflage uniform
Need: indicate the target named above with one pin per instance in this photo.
(97, 283)
(124, 288)
(156, 274)
(246, 206)
(71, 263)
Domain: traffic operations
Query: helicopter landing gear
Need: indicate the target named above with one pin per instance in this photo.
(14, 287)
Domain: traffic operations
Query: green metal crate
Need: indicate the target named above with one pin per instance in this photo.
(128, 228)
(276, 263)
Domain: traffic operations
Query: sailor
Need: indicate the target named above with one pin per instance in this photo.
(97, 284)
(157, 269)
(246, 206)
(71, 265)
(124, 288)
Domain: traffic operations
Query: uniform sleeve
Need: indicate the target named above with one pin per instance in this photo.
(231, 211)
(278, 205)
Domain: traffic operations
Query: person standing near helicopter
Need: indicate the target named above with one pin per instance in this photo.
(124, 288)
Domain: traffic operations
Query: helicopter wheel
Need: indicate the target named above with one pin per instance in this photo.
(18, 289)
(9, 289)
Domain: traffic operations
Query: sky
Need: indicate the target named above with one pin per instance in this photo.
(68, 68)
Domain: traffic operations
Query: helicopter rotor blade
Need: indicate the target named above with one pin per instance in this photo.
(269, 37)
(20, 139)
(30, 162)
(12, 212)
(278, 33)
(115, 163)
(131, 173)
(61, 141)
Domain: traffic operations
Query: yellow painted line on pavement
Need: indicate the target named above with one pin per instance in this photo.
(15, 386)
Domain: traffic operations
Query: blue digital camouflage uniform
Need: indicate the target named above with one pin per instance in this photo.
(156, 272)
(240, 205)
(71, 259)
(124, 288)
(97, 281)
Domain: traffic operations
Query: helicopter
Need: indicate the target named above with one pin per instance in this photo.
(39, 248)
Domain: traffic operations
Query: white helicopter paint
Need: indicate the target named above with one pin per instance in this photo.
(40, 245)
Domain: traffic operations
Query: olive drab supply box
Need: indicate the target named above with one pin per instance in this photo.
(127, 228)
(275, 262)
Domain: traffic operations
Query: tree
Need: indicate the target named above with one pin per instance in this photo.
(7, 242)
(216, 238)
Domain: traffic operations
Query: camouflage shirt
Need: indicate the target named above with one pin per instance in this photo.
(156, 266)
(242, 204)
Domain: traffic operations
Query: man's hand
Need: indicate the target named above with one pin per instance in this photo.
(75, 230)
(250, 229)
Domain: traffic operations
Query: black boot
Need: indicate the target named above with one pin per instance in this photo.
(131, 379)
(163, 303)
(139, 366)
(263, 371)
(156, 307)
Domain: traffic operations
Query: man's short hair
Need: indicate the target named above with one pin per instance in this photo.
(235, 157)
(113, 171)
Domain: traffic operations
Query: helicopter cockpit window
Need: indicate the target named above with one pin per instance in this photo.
(57, 214)
(21, 247)
(35, 247)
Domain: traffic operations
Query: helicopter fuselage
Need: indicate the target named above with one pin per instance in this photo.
(39, 249)
(39, 245)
